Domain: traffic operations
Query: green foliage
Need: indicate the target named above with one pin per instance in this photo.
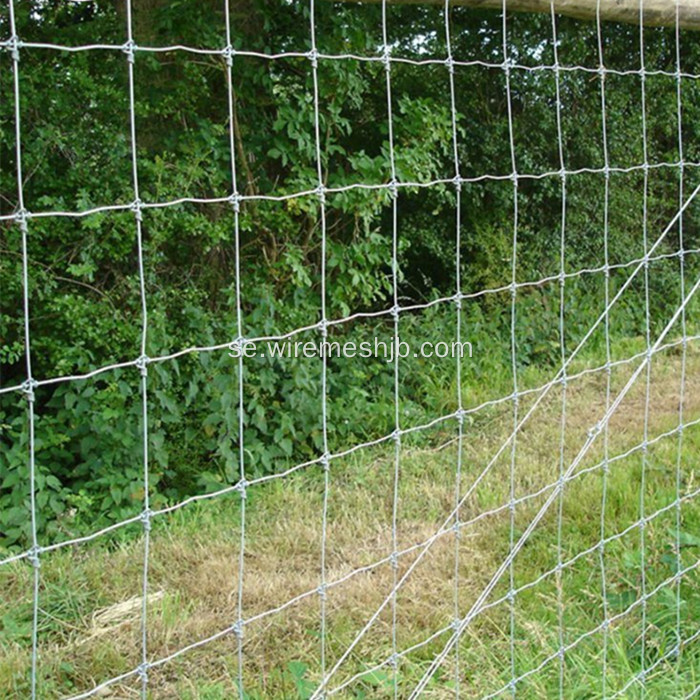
(83, 272)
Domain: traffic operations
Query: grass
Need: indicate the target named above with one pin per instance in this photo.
(89, 621)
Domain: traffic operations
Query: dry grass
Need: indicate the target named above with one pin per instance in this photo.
(90, 609)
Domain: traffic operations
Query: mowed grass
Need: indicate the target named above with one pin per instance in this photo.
(550, 634)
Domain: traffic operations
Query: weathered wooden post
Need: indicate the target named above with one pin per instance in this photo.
(656, 13)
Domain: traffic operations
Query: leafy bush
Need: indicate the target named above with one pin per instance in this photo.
(84, 285)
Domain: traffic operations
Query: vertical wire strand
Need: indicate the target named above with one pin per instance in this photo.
(458, 332)
(235, 201)
(608, 354)
(684, 332)
(647, 323)
(562, 351)
(130, 49)
(386, 57)
(324, 334)
(29, 384)
(513, 347)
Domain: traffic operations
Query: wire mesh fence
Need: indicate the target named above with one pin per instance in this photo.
(343, 667)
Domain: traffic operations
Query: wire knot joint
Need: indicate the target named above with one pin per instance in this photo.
(27, 389)
(21, 217)
(394, 561)
(13, 45)
(228, 53)
(461, 415)
(323, 327)
(235, 202)
(394, 189)
(145, 519)
(129, 48)
(237, 347)
(142, 364)
(386, 56)
(34, 557)
(136, 208)
(238, 629)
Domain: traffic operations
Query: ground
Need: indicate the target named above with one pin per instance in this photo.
(89, 624)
